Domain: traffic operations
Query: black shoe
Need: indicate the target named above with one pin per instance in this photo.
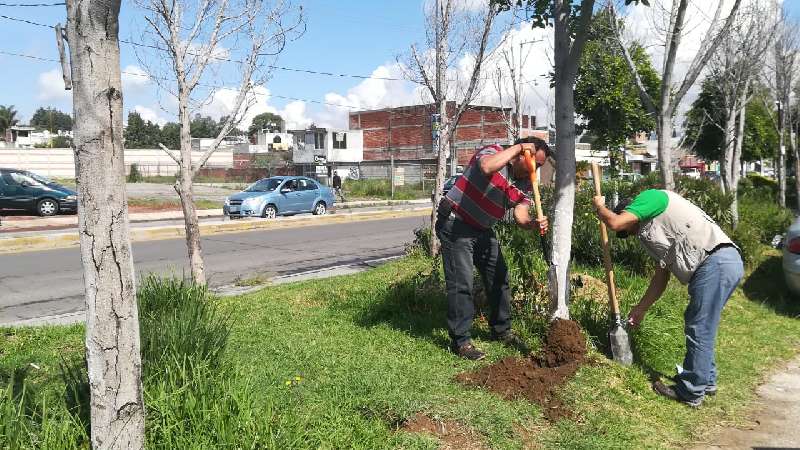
(469, 351)
(669, 392)
(511, 339)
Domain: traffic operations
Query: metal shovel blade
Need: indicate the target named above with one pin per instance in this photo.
(620, 345)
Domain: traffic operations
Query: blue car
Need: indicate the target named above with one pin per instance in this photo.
(275, 196)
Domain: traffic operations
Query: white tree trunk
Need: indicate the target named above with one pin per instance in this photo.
(112, 320)
(727, 161)
(665, 147)
(184, 187)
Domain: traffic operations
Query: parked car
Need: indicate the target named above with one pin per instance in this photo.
(791, 257)
(27, 191)
(448, 184)
(692, 172)
(276, 196)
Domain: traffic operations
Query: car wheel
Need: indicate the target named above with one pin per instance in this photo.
(47, 207)
(270, 212)
(320, 209)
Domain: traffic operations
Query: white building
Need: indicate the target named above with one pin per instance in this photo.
(319, 151)
(20, 136)
(267, 141)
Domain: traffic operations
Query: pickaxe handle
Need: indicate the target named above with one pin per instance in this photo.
(537, 198)
(612, 291)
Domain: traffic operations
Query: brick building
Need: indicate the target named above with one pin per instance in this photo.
(405, 132)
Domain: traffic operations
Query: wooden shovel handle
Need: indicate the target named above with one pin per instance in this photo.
(612, 291)
(537, 198)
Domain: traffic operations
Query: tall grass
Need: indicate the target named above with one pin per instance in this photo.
(381, 189)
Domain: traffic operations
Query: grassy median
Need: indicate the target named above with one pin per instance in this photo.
(344, 362)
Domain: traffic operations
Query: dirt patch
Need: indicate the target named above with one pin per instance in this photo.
(452, 435)
(587, 286)
(537, 378)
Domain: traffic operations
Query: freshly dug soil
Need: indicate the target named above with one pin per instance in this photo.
(452, 435)
(537, 379)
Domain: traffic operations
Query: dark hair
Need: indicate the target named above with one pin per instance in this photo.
(623, 203)
(538, 143)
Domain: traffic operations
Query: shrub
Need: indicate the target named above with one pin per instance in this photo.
(134, 176)
(421, 245)
(178, 323)
(761, 214)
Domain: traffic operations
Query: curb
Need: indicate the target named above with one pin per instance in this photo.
(71, 239)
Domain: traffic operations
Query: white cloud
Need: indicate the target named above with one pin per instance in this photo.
(150, 114)
(51, 86)
(134, 78)
(222, 103)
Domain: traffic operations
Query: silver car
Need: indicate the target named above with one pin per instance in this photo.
(791, 257)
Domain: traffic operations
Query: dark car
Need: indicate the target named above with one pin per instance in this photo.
(23, 190)
(448, 184)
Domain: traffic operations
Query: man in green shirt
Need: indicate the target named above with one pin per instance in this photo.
(686, 243)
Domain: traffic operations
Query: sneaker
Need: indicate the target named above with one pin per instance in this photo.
(511, 339)
(469, 351)
(670, 392)
(710, 390)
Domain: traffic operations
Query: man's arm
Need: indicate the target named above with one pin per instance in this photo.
(657, 286)
(616, 222)
(490, 164)
(523, 218)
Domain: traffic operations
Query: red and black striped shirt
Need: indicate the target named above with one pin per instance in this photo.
(480, 200)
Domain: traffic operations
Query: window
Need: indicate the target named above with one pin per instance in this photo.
(16, 178)
(340, 140)
(306, 185)
(276, 140)
(319, 141)
(291, 185)
(270, 184)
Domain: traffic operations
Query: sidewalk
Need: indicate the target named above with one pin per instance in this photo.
(774, 421)
(146, 226)
(33, 223)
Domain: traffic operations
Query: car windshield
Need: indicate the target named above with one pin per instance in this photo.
(270, 184)
(40, 179)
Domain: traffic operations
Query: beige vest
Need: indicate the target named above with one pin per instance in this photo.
(680, 238)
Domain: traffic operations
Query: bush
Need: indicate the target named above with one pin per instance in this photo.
(761, 215)
(179, 323)
(134, 176)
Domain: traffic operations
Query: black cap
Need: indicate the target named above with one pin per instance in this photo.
(623, 203)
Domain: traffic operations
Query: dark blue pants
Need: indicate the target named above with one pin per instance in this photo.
(709, 290)
(463, 248)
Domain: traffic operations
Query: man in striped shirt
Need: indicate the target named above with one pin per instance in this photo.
(479, 198)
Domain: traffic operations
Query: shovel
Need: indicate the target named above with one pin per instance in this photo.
(537, 201)
(620, 343)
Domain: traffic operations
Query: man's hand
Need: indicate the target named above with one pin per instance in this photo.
(598, 201)
(636, 316)
(541, 225)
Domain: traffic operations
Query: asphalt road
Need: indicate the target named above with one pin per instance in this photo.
(49, 283)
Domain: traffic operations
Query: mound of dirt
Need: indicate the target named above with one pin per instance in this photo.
(537, 379)
(452, 435)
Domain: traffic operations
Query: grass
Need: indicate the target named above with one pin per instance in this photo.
(157, 204)
(339, 363)
(380, 189)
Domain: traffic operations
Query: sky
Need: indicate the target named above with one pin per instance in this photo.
(354, 37)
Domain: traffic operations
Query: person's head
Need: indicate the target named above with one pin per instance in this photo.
(541, 154)
(633, 227)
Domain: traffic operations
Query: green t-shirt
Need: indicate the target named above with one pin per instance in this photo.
(648, 204)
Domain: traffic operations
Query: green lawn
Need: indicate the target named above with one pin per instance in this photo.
(340, 363)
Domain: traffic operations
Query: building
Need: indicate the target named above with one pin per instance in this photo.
(20, 136)
(406, 133)
(319, 151)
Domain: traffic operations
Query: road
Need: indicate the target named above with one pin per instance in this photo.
(50, 283)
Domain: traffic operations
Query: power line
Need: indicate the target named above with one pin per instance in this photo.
(138, 74)
(287, 69)
(31, 4)
(29, 22)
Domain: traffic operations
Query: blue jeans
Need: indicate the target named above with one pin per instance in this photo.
(463, 248)
(709, 290)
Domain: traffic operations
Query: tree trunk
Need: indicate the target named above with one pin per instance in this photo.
(727, 162)
(665, 146)
(564, 201)
(781, 169)
(112, 319)
(184, 187)
(443, 139)
(736, 164)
